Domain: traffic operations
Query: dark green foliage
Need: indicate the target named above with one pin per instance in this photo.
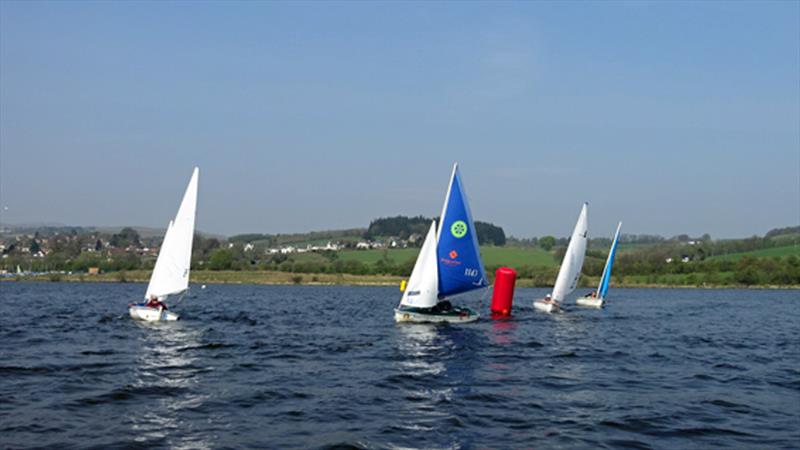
(127, 236)
(547, 242)
(490, 234)
(782, 231)
(398, 226)
(220, 259)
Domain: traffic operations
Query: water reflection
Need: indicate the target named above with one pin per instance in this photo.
(570, 378)
(436, 369)
(166, 375)
(422, 371)
(503, 331)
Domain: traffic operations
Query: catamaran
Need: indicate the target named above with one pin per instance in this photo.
(448, 264)
(171, 273)
(597, 298)
(570, 269)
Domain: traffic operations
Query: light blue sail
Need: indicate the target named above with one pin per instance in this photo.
(603, 289)
(457, 252)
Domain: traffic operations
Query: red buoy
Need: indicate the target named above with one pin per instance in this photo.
(503, 294)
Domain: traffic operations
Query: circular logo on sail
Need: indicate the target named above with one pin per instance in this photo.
(458, 229)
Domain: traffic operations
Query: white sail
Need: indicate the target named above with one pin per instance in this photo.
(171, 272)
(573, 259)
(423, 285)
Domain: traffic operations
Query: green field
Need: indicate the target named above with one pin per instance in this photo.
(492, 256)
(788, 250)
(516, 257)
(397, 256)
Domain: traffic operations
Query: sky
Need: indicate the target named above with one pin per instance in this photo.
(673, 117)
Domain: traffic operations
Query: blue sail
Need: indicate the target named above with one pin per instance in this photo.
(457, 252)
(610, 262)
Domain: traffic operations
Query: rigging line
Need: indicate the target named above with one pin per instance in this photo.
(183, 295)
(484, 295)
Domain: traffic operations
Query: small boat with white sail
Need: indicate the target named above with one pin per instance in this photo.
(570, 270)
(596, 299)
(170, 276)
(448, 264)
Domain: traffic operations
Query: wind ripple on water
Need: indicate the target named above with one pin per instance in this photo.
(326, 367)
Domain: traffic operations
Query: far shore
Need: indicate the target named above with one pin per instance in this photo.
(319, 279)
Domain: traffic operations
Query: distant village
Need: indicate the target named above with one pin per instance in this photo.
(47, 249)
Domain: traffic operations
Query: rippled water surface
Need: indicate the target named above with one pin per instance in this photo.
(318, 367)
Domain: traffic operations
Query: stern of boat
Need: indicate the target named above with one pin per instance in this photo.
(147, 314)
(456, 315)
(546, 307)
(589, 302)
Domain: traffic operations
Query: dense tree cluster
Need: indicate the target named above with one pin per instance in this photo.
(399, 226)
(404, 227)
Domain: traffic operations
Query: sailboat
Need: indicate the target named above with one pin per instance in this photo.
(597, 298)
(171, 273)
(448, 264)
(570, 269)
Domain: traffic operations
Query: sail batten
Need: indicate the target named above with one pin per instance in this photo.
(171, 272)
(570, 270)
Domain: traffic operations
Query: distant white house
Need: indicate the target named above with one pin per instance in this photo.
(287, 250)
(327, 247)
(363, 246)
(249, 247)
(668, 260)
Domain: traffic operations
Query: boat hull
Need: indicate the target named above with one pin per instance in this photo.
(455, 315)
(147, 314)
(590, 302)
(546, 307)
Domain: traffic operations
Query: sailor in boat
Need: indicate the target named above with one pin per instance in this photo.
(592, 294)
(155, 303)
(442, 307)
(549, 299)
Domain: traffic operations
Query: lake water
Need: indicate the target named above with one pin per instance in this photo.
(326, 367)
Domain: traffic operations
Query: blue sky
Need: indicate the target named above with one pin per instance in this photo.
(678, 117)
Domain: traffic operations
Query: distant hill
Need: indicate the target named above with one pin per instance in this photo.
(49, 229)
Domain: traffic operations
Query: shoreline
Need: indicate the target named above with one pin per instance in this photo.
(316, 279)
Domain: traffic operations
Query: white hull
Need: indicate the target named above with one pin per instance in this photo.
(547, 307)
(401, 316)
(151, 314)
(589, 302)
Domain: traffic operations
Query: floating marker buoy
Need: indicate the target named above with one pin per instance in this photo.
(403, 286)
(203, 286)
(503, 295)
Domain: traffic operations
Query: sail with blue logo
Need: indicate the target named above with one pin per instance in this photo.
(458, 256)
(603, 288)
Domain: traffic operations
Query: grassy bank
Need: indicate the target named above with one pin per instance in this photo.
(720, 280)
(224, 277)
